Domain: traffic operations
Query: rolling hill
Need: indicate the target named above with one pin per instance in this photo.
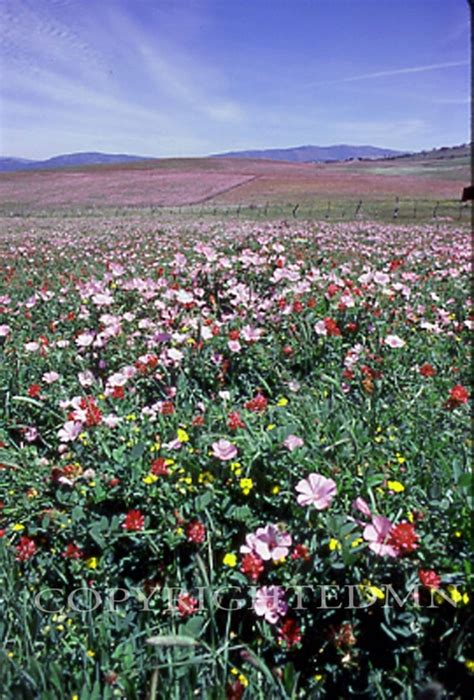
(315, 154)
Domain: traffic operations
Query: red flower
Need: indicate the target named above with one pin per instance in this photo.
(300, 551)
(152, 361)
(429, 578)
(167, 408)
(72, 551)
(234, 421)
(2, 533)
(234, 335)
(457, 396)
(289, 633)
(343, 635)
(404, 538)
(252, 566)
(331, 327)
(187, 605)
(297, 307)
(196, 532)
(134, 520)
(93, 413)
(351, 327)
(111, 677)
(198, 421)
(234, 690)
(427, 370)
(118, 392)
(34, 390)
(26, 548)
(258, 404)
(159, 467)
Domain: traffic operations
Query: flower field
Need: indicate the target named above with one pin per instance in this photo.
(234, 460)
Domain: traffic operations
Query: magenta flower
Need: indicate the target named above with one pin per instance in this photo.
(224, 450)
(292, 442)
(377, 534)
(316, 490)
(270, 603)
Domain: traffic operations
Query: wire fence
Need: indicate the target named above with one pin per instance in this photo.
(340, 210)
(322, 209)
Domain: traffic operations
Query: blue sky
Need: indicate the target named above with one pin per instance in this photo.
(194, 77)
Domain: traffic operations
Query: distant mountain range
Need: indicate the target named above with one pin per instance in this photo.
(315, 154)
(68, 160)
(299, 154)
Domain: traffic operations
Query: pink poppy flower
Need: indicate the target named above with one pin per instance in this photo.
(362, 506)
(393, 341)
(270, 603)
(271, 543)
(224, 450)
(234, 346)
(70, 431)
(85, 339)
(250, 334)
(377, 534)
(292, 442)
(316, 490)
(50, 377)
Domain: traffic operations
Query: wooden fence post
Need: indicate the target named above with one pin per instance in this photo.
(397, 208)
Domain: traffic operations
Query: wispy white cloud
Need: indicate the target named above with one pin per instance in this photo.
(397, 71)
(107, 73)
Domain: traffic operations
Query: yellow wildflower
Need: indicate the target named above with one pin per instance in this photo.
(396, 486)
(334, 544)
(230, 559)
(282, 402)
(243, 680)
(246, 485)
(150, 478)
(91, 562)
(205, 478)
(377, 592)
(18, 527)
(182, 435)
